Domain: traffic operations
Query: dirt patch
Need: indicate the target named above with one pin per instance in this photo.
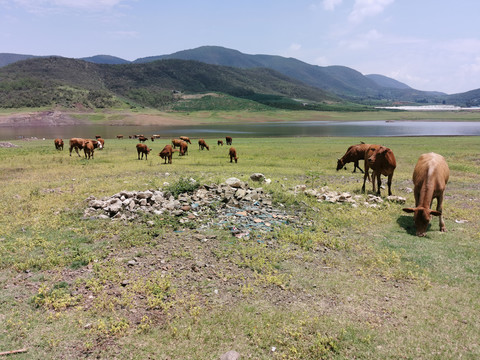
(42, 118)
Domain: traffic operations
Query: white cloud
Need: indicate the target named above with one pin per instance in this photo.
(366, 8)
(362, 41)
(331, 4)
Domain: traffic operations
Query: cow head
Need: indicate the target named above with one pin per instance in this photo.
(379, 153)
(421, 218)
(340, 164)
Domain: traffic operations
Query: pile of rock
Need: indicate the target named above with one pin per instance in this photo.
(7, 145)
(324, 194)
(233, 205)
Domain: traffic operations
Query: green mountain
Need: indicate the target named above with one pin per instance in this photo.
(387, 82)
(105, 59)
(70, 82)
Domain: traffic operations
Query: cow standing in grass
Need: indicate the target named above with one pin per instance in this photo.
(167, 153)
(354, 154)
(202, 145)
(382, 162)
(143, 149)
(233, 154)
(430, 178)
(58, 144)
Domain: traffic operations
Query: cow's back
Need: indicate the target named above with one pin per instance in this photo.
(433, 167)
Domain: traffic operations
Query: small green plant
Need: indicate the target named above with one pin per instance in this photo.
(182, 185)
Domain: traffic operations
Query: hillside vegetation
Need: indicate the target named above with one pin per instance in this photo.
(70, 83)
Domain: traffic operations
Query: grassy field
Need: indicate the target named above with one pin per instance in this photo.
(356, 283)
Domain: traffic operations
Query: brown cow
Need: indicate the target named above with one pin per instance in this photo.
(88, 149)
(183, 148)
(430, 178)
(229, 140)
(77, 144)
(220, 142)
(119, 136)
(202, 144)
(186, 139)
(142, 138)
(353, 154)
(98, 136)
(142, 149)
(176, 143)
(58, 143)
(166, 153)
(233, 154)
(382, 162)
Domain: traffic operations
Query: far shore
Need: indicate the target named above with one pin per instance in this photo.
(62, 117)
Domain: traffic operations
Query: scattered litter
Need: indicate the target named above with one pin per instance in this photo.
(461, 221)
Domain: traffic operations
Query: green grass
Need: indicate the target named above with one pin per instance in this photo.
(355, 283)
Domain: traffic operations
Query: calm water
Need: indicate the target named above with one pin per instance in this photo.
(298, 128)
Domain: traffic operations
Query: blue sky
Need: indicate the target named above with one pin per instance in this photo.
(427, 44)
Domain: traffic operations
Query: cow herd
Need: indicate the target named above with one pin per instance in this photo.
(88, 146)
(430, 178)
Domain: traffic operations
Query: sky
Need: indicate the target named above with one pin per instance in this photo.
(430, 45)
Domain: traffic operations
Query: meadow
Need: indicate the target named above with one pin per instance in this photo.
(354, 283)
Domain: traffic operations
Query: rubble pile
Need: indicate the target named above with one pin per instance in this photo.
(233, 205)
(324, 194)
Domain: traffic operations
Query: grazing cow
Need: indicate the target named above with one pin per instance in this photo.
(88, 149)
(58, 144)
(186, 139)
(354, 154)
(202, 145)
(77, 144)
(119, 136)
(142, 149)
(142, 138)
(228, 140)
(176, 143)
(382, 162)
(183, 148)
(233, 154)
(220, 142)
(98, 136)
(430, 178)
(166, 153)
(156, 136)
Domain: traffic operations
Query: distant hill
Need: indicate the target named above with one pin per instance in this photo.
(69, 82)
(387, 82)
(105, 59)
(7, 58)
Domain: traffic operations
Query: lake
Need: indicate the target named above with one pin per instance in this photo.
(272, 129)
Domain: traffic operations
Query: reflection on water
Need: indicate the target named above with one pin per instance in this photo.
(278, 129)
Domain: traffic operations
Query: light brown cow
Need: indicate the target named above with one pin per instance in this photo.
(382, 162)
(183, 148)
(77, 144)
(176, 143)
(430, 178)
(166, 153)
(143, 149)
(58, 144)
(228, 140)
(186, 139)
(233, 154)
(354, 154)
(88, 149)
(202, 145)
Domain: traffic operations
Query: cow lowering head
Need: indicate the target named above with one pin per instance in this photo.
(421, 218)
(340, 164)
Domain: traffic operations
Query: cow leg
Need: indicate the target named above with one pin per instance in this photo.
(76, 149)
(390, 177)
(440, 209)
(379, 183)
(71, 148)
(365, 175)
(146, 155)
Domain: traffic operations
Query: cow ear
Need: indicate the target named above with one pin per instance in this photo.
(435, 212)
(408, 210)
